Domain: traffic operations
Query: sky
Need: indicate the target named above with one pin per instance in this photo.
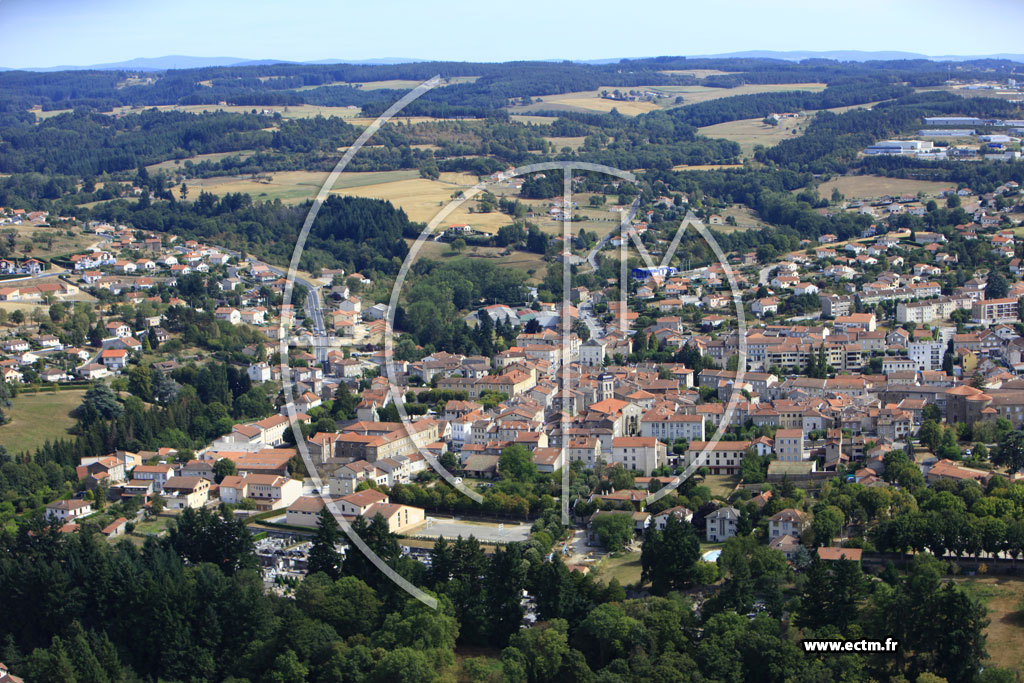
(44, 33)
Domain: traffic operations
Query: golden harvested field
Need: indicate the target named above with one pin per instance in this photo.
(591, 100)
(421, 198)
(585, 101)
(705, 167)
(693, 94)
(42, 115)
(751, 132)
(1005, 630)
(36, 418)
(300, 111)
(395, 84)
(871, 186)
(1000, 94)
(526, 118)
(408, 120)
(293, 186)
(573, 143)
(177, 164)
(745, 220)
(288, 186)
(37, 236)
(697, 73)
(522, 261)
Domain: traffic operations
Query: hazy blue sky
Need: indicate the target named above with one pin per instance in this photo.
(40, 33)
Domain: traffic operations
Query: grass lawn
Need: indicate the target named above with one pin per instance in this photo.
(37, 236)
(394, 84)
(477, 663)
(872, 186)
(179, 164)
(721, 484)
(520, 260)
(705, 167)
(36, 418)
(288, 186)
(526, 118)
(751, 132)
(572, 143)
(153, 525)
(586, 101)
(696, 73)
(300, 111)
(625, 567)
(1005, 630)
(591, 100)
(745, 220)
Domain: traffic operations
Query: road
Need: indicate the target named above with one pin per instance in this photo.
(762, 275)
(592, 256)
(313, 308)
(593, 324)
(314, 311)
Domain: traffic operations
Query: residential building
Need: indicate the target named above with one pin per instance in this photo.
(68, 510)
(787, 522)
(721, 524)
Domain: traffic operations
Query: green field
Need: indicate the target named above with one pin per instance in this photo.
(178, 164)
(751, 132)
(1005, 632)
(872, 186)
(591, 100)
(38, 235)
(293, 186)
(721, 484)
(625, 567)
(522, 261)
(37, 418)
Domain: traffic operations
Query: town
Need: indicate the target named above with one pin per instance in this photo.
(491, 407)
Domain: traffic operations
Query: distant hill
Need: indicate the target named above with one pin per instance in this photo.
(187, 62)
(857, 55)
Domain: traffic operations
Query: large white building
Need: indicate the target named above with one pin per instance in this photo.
(931, 309)
(592, 353)
(639, 453)
(670, 427)
(927, 354)
(994, 311)
(899, 147)
(724, 457)
(789, 445)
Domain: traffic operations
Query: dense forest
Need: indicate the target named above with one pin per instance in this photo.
(360, 234)
(494, 84)
(78, 609)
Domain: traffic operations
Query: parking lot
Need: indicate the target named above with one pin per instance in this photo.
(484, 531)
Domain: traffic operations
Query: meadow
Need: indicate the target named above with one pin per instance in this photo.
(872, 186)
(1005, 632)
(38, 418)
(38, 236)
(591, 100)
(751, 132)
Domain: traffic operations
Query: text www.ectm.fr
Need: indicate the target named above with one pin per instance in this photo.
(888, 645)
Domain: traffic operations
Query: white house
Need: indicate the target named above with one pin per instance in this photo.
(67, 510)
(721, 524)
